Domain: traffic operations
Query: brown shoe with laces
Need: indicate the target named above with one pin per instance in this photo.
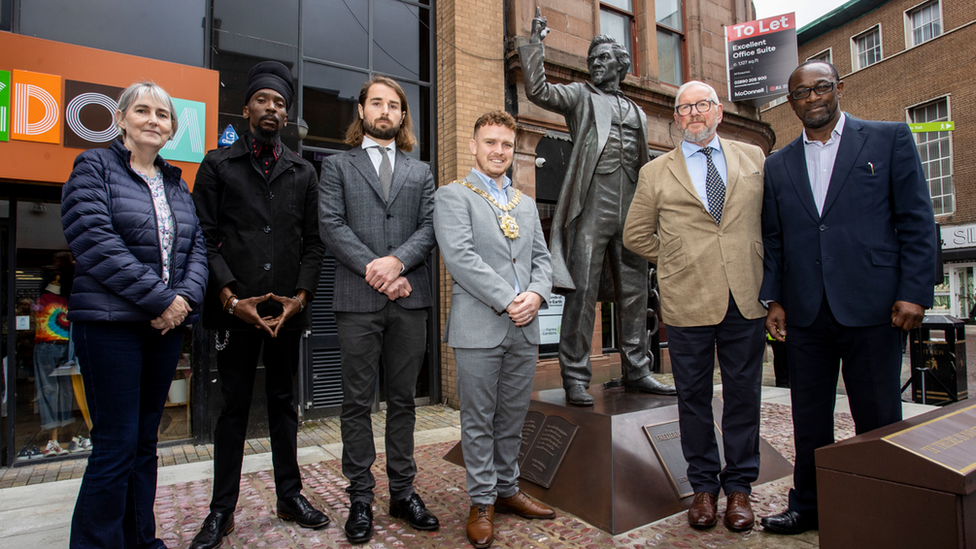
(738, 512)
(481, 526)
(524, 506)
(704, 511)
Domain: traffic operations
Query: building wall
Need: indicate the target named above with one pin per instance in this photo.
(941, 67)
(470, 82)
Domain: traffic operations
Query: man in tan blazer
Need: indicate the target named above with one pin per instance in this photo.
(696, 214)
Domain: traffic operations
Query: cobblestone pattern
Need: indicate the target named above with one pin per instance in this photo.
(311, 433)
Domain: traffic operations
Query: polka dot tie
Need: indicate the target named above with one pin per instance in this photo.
(714, 187)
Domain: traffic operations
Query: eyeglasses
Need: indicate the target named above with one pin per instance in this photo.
(821, 89)
(702, 107)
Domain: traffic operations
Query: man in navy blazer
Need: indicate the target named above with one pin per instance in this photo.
(850, 252)
(376, 210)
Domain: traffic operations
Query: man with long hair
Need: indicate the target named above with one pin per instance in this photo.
(376, 208)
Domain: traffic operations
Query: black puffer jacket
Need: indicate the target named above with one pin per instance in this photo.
(110, 224)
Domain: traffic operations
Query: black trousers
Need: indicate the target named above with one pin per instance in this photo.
(237, 364)
(740, 345)
(871, 357)
(398, 336)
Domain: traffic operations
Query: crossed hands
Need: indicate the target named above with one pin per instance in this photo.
(173, 316)
(383, 274)
(523, 308)
(246, 310)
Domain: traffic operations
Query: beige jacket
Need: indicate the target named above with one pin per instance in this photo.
(698, 261)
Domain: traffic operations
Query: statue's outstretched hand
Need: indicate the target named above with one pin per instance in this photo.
(539, 29)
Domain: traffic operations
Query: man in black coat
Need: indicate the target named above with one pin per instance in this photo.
(257, 202)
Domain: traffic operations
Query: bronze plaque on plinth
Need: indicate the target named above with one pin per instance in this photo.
(550, 437)
(611, 476)
(666, 440)
(910, 484)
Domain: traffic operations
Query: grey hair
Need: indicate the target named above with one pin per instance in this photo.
(684, 87)
(139, 89)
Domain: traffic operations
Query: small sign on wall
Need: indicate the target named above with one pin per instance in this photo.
(23, 322)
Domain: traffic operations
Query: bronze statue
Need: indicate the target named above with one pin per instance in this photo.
(609, 134)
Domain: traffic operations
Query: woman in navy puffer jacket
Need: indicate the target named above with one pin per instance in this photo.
(140, 276)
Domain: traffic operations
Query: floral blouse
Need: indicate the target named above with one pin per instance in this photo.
(165, 222)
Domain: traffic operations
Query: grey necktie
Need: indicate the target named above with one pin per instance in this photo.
(714, 188)
(386, 172)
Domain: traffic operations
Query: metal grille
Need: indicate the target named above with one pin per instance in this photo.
(323, 321)
(326, 378)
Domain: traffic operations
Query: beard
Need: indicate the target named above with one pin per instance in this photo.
(379, 133)
(697, 137)
(815, 122)
(268, 136)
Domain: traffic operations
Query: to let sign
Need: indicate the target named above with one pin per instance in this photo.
(760, 55)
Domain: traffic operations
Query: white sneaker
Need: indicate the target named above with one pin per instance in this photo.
(54, 449)
(79, 444)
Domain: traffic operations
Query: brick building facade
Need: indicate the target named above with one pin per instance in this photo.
(911, 61)
(478, 70)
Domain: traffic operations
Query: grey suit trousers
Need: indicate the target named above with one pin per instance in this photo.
(399, 337)
(494, 386)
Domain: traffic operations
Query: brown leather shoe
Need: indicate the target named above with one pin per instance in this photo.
(523, 506)
(704, 510)
(738, 512)
(481, 526)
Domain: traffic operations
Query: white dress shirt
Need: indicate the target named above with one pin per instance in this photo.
(820, 161)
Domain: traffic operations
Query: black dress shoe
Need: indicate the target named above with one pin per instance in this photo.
(213, 530)
(648, 384)
(301, 511)
(791, 522)
(413, 509)
(577, 396)
(359, 527)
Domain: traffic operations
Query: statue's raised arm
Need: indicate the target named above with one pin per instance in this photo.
(539, 28)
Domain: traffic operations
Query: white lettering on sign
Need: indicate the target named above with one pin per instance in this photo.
(959, 236)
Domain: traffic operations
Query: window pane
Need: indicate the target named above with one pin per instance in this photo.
(669, 57)
(926, 23)
(170, 31)
(668, 13)
(398, 32)
(337, 30)
(625, 5)
(617, 26)
(329, 104)
(935, 152)
(5, 7)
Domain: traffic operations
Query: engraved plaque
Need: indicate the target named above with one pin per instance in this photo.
(530, 431)
(949, 440)
(547, 450)
(666, 440)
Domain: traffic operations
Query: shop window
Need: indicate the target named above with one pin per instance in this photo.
(935, 151)
(942, 302)
(670, 41)
(170, 31)
(866, 48)
(617, 20)
(924, 23)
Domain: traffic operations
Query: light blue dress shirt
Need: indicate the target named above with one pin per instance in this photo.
(501, 195)
(820, 161)
(698, 165)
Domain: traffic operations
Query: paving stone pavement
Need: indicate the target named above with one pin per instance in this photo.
(35, 510)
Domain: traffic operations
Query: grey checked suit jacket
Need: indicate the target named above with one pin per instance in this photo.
(480, 259)
(358, 226)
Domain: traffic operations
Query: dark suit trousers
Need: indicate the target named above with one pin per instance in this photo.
(740, 344)
(399, 337)
(599, 235)
(871, 357)
(237, 364)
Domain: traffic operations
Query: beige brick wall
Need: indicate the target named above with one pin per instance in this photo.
(470, 82)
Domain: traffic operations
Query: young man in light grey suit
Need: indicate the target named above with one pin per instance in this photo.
(492, 244)
(376, 215)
